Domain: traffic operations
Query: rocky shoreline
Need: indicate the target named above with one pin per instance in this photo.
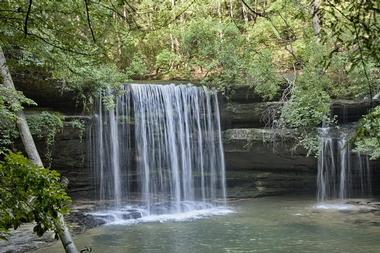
(24, 240)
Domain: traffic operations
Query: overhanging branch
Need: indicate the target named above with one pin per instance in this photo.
(27, 17)
(252, 10)
(56, 45)
(89, 21)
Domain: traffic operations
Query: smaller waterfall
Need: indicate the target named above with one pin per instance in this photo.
(342, 174)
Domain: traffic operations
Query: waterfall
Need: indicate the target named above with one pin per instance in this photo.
(160, 146)
(342, 174)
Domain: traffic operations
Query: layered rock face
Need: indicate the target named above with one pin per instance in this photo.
(261, 161)
(258, 166)
(70, 157)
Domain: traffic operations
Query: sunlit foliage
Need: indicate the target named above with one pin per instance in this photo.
(29, 193)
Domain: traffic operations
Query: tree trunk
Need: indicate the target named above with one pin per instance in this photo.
(315, 18)
(26, 136)
(32, 152)
(65, 236)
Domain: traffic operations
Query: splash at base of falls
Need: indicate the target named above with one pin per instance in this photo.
(135, 214)
(163, 144)
(348, 205)
(335, 206)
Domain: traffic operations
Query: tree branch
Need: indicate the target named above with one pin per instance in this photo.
(27, 17)
(252, 10)
(57, 46)
(183, 11)
(88, 21)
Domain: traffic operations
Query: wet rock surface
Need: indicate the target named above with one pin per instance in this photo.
(24, 240)
(88, 214)
(79, 221)
(364, 212)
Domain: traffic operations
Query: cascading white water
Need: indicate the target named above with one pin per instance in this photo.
(160, 146)
(341, 174)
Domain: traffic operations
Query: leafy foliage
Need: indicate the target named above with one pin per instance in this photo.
(367, 137)
(263, 76)
(309, 104)
(11, 102)
(354, 26)
(308, 107)
(46, 126)
(351, 82)
(57, 37)
(80, 125)
(29, 193)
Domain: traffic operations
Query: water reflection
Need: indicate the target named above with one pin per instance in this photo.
(260, 225)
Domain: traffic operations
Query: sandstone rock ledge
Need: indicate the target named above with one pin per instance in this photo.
(256, 166)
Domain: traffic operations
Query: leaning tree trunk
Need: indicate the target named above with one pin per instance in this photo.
(32, 152)
(26, 136)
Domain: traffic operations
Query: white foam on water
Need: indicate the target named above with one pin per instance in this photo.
(336, 206)
(185, 216)
(331, 205)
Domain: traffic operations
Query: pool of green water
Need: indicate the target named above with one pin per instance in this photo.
(273, 224)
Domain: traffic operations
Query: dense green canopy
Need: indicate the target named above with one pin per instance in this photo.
(302, 52)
